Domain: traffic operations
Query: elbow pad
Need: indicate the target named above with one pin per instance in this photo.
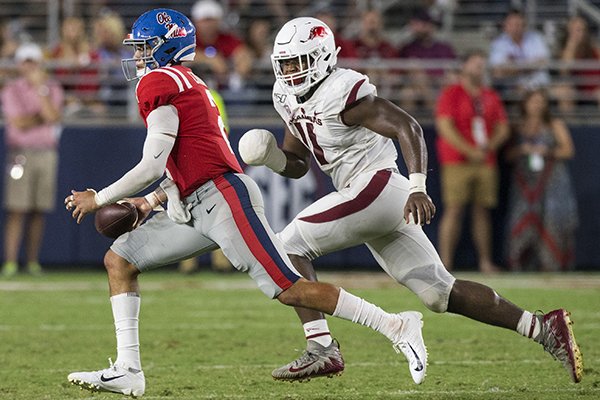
(259, 147)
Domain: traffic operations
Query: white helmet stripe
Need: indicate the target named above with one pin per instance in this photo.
(189, 57)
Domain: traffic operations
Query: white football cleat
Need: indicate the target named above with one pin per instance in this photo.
(116, 378)
(409, 341)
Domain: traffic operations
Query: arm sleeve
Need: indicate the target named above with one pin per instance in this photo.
(163, 123)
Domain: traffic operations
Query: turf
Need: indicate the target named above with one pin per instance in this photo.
(214, 336)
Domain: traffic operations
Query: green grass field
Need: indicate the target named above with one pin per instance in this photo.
(213, 336)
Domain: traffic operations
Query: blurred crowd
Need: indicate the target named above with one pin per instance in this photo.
(410, 66)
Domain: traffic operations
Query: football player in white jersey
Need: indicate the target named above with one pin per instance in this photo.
(335, 115)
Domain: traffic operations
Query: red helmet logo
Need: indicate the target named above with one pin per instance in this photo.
(317, 31)
(178, 32)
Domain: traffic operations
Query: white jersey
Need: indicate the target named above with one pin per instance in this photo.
(341, 151)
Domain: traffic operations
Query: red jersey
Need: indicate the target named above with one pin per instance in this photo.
(458, 105)
(201, 151)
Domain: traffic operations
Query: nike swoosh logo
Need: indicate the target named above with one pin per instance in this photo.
(158, 155)
(292, 369)
(103, 379)
(209, 210)
(419, 363)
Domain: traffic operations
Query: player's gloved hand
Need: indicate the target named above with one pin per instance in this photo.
(176, 209)
(259, 147)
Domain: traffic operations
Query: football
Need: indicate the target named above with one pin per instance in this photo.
(115, 219)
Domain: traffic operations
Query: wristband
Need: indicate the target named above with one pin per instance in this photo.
(153, 200)
(416, 183)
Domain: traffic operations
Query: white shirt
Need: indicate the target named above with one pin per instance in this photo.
(532, 48)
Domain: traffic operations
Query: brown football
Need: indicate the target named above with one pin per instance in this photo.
(115, 219)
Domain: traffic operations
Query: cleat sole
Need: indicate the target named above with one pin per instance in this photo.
(577, 374)
(307, 379)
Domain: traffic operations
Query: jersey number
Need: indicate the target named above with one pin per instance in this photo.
(308, 134)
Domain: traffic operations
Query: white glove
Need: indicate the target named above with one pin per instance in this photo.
(259, 147)
(176, 210)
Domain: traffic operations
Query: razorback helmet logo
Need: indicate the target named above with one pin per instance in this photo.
(316, 31)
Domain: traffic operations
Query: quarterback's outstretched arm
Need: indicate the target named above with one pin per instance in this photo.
(162, 130)
(163, 124)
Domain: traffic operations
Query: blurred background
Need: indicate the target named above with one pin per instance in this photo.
(410, 49)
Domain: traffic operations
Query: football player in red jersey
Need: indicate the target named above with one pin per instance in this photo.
(211, 204)
(335, 114)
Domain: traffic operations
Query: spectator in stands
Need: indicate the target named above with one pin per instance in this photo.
(372, 47)
(542, 214)
(421, 85)
(227, 58)
(439, 8)
(257, 91)
(32, 106)
(275, 11)
(347, 48)
(258, 40)
(518, 57)
(471, 125)
(9, 39)
(371, 42)
(578, 45)
(74, 55)
(109, 31)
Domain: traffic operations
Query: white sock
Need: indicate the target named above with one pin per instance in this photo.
(529, 325)
(360, 311)
(126, 310)
(318, 331)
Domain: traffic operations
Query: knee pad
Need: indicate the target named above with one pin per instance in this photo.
(432, 284)
(435, 298)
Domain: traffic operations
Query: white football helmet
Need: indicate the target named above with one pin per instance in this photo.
(310, 42)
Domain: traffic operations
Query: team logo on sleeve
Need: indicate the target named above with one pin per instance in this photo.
(280, 97)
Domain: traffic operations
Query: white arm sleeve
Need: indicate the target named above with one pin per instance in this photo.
(163, 124)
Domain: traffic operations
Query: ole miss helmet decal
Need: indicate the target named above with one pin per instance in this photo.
(163, 18)
(317, 31)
